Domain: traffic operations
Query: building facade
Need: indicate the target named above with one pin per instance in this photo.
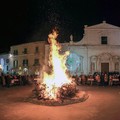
(4, 63)
(27, 58)
(98, 51)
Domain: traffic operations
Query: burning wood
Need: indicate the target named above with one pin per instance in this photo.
(64, 92)
(57, 85)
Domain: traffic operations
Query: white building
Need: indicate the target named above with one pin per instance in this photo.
(98, 51)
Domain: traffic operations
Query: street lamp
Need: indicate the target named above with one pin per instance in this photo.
(10, 55)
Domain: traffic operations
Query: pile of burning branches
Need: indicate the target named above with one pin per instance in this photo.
(56, 87)
(64, 92)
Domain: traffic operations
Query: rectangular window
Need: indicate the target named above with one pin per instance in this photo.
(36, 49)
(7, 68)
(104, 40)
(25, 51)
(36, 61)
(15, 63)
(25, 62)
(15, 52)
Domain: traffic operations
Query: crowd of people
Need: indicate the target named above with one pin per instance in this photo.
(8, 80)
(100, 79)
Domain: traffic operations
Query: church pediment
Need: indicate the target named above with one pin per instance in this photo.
(103, 25)
(105, 57)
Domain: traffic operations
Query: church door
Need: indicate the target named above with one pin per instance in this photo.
(104, 67)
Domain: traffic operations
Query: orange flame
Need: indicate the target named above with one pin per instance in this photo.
(58, 76)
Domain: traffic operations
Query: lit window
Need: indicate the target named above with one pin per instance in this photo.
(15, 63)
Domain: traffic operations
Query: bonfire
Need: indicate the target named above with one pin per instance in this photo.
(57, 84)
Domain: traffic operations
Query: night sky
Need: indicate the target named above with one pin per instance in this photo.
(31, 20)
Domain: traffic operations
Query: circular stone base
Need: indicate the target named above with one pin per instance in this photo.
(80, 97)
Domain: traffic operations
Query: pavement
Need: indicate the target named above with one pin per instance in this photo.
(103, 104)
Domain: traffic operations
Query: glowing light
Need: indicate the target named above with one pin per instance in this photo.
(10, 55)
(0, 67)
(58, 75)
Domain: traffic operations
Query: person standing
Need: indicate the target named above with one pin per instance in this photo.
(105, 79)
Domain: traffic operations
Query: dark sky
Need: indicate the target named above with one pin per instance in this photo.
(31, 20)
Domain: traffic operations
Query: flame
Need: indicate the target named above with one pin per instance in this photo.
(58, 76)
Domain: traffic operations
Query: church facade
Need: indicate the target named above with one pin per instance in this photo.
(98, 51)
